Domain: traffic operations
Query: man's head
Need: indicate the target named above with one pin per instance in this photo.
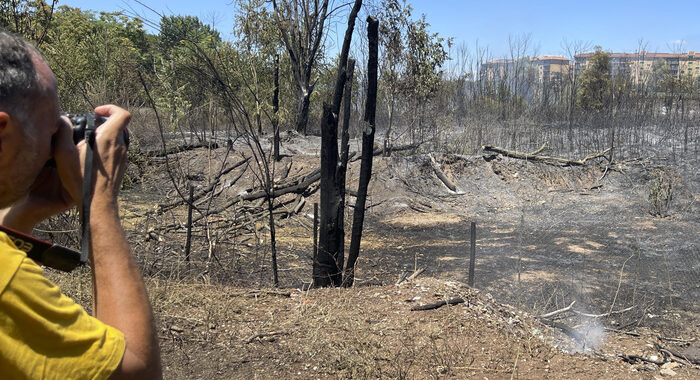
(29, 116)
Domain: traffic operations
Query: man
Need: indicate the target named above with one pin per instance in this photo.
(43, 333)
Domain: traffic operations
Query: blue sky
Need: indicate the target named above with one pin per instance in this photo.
(615, 25)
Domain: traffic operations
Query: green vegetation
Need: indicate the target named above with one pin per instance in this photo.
(594, 91)
(429, 89)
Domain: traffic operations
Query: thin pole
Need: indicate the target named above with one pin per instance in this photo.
(472, 254)
(188, 242)
(315, 231)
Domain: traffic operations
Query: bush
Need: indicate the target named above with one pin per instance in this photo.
(660, 193)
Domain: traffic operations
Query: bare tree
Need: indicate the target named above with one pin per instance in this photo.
(302, 26)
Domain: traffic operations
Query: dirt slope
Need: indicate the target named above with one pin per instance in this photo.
(370, 332)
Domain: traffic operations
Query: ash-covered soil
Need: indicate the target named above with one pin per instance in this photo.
(546, 236)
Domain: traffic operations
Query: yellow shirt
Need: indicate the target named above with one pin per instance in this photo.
(43, 333)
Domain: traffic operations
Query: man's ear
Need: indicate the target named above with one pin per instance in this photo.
(4, 120)
(4, 127)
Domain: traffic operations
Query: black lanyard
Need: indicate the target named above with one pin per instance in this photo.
(48, 254)
(87, 189)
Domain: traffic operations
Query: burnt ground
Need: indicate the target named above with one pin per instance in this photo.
(546, 236)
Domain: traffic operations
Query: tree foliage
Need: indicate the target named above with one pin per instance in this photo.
(594, 90)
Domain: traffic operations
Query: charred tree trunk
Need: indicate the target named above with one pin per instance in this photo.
(276, 108)
(303, 116)
(367, 150)
(343, 164)
(328, 268)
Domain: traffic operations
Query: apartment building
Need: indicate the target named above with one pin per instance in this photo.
(545, 68)
(551, 68)
(640, 65)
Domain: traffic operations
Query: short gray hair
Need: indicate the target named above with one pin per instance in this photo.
(18, 76)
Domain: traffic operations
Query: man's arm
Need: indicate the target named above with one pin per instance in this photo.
(120, 297)
(119, 294)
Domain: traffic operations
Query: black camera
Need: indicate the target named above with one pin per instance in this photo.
(84, 121)
(81, 122)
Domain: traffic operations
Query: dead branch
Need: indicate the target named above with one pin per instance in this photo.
(259, 292)
(402, 278)
(200, 194)
(540, 150)
(632, 359)
(690, 359)
(285, 172)
(415, 274)
(264, 335)
(181, 148)
(436, 305)
(555, 312)
(537, 157)
(300, 204)
(609, 313)
(630, 333)
(297, 186)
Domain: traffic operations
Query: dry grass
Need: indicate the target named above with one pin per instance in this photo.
(219, 332)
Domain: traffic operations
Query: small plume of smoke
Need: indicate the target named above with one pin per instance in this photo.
(589, 330)
(593, 337)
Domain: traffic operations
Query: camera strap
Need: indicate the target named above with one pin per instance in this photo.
(51, 255)
(87, 189)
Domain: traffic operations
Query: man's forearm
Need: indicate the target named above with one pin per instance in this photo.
(10, 217)
(120, 298)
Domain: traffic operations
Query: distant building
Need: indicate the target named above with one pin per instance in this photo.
(551, 68)
(640, 65)
(545, 68)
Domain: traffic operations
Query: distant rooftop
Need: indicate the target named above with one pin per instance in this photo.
(645, 54)
(502, 61)
(551, 57)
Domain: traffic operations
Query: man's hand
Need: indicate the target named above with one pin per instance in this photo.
(55, 189)
(110, 153)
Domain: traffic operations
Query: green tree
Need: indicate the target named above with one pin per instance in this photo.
(395, 16)
(95, 57)
(594, 90)
(425, 56)
(30, 18)
(176, 30)
(258, 40)
(187, 100)
(665, 84)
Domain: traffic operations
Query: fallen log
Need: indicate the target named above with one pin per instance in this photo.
(535, 156)
(436, 305)
(443, 177)
(399, 148)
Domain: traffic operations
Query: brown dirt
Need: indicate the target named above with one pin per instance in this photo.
(583, 238)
